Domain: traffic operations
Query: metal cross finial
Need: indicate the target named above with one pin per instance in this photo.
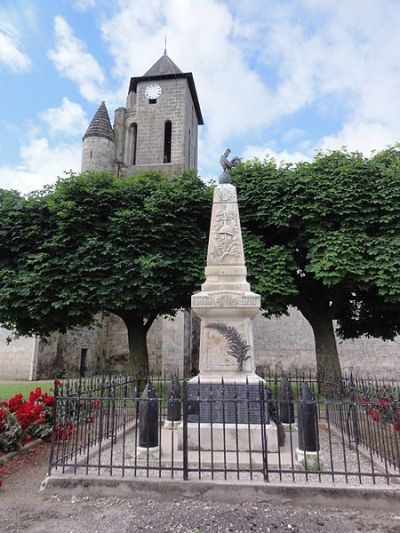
(165, 45)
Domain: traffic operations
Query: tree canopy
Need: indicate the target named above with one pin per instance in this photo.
(324, 236)
(134, 247)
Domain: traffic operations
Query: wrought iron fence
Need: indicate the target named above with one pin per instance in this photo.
(277, 429)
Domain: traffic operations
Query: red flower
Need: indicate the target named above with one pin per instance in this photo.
(397, 426)
(376, 417)
(383, 403)
(95, 404)
(49, 401)
(64, 434)
(15, 402)
(3, 416)
(57, 382)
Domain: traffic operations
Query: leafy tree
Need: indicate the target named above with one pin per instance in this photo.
(133, 247)
(325, 237)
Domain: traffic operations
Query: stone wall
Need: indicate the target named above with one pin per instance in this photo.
(288, 343)
(16, 356)
(60, 354)
(98, 154)
(191, 133)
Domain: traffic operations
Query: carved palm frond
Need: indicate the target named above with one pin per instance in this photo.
(237, 345)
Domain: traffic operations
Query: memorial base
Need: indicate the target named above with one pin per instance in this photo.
(289, 428)
(230, 437)
(172, 424)
(141, 453)
(309, 460)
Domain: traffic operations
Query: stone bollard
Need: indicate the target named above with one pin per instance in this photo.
(307, 453)
(174, 405)
(286, 405)
(148, 423)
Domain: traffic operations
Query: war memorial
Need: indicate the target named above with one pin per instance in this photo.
(227, 424)
(231, 415)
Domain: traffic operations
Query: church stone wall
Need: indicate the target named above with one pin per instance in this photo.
(288, 342)
(60, 354)
(151, 118)
(168, 168)
(119, 130)
(191, 136)
(98, 154)
(16, 356)
(115, 348)
(173, 345)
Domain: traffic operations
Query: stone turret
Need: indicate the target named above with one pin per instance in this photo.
(99, 143)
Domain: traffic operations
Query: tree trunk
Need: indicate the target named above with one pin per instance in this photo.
(327, 357)
(138, 361)
(328, 364)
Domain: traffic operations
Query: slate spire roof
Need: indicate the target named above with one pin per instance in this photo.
(100, 125)
(164, 66)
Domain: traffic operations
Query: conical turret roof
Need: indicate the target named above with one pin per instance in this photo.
(100, 125)
(163, 66)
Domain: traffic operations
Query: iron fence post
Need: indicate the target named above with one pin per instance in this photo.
(185, 433)
(53, 433)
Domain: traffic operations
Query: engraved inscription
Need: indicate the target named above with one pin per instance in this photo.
(225, 300)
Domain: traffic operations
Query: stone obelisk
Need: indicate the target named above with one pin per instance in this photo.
(227, 394)
(225, 304)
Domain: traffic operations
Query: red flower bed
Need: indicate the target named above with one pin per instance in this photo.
(23, 420)
(382, 406)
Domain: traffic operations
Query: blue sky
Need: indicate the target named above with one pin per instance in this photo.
(280, 78)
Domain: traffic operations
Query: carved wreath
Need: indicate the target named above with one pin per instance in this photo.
(237, 345)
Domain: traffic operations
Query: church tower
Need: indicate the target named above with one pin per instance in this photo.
(157, 130)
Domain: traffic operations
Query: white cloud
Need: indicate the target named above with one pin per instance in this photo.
(72, 61)
(41, 164)
(83, 5)
(361, 136)
(12, 54)
(260, 152)
(341, 58)
(68, 119)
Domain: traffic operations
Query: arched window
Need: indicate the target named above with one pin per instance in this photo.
(167, 141)
(132, 143)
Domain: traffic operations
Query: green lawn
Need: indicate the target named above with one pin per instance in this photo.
(7, 390)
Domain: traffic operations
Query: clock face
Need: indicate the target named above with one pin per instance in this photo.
(152, 92)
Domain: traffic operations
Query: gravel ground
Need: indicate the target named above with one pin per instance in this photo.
(333, 457)
(23, 508)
